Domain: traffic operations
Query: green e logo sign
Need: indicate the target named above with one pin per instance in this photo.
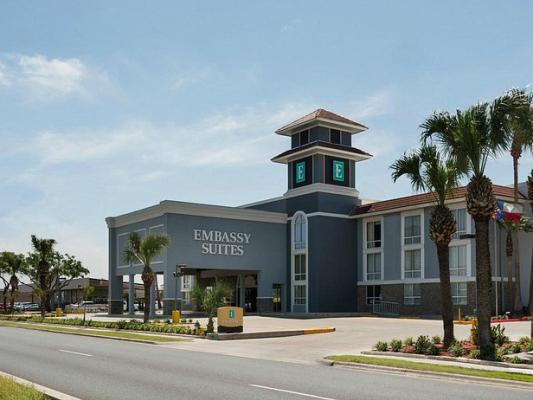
(232, 313)
(300, 172)
(338, 170)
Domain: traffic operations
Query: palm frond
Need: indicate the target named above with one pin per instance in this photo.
(409, 165)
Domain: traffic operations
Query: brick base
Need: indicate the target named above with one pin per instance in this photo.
(116, 307)
(168, 307)
(264, 305)
(429, 302)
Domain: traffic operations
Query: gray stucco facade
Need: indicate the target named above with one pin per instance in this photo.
(309, 250)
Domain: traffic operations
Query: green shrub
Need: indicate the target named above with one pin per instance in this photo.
(497, 333)
(432, 350)
(395, 345)
(515, 348)
(381, 346)
(456, 350)
(436, 339)
(475, 354)
(515, 360)
(422, 344)
(408, 341)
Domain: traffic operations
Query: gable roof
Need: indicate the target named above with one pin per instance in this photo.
(322, 115)
(338, 148)
(425, 198)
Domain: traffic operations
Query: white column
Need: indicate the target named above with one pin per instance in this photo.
(131, 296)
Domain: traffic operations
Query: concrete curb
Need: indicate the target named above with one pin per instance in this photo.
(447, 359)
(53, 394)
(90, 335)
(458, 377)
(268, 334)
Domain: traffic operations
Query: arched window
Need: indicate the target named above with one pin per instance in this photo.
(300, 232)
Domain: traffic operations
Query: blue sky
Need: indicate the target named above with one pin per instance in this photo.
(107, 107)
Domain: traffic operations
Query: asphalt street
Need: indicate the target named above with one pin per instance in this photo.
(93, 368)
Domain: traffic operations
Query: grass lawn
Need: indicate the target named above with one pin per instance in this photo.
(420, 366)
(10, 390)
(91, 332)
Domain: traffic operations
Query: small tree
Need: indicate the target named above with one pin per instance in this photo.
(87, 293)
(144, 250)
(209, 299)
(50, 271)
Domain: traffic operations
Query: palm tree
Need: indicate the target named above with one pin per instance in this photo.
(428, 171)
(517, 106)
(144, 250)
(13, 265)
(44, 251)
(209, 299)
(469, 138)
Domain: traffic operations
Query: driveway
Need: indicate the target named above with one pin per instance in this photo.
(352, 336)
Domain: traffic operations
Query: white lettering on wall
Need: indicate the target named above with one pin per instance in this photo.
(222, 243)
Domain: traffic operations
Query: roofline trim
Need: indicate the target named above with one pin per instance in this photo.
(422, 205)
(353, 128)
(200, 210)
(322, 150)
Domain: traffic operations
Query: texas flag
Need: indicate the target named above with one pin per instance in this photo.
(508, 212)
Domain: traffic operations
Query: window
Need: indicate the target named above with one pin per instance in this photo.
(458, 261)
(304, 137)
(411, 294)
(300, 268)
(413, 263)
(373, 294)
(300, 232)
(460, 220)
(335, 136)
(300, 295)
(373, 266)
(187, 282)
(459, 293)
(412, 230)
(373, 234)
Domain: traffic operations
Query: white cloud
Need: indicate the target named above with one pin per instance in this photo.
(232, 138)
(186, 78)
(4, 80)
(291, 26)
(40, 78)
(379, 103)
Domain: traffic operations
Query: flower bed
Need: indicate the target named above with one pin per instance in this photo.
(506, 351)
(132, 325)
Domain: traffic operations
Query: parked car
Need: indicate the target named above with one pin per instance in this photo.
(31, 307)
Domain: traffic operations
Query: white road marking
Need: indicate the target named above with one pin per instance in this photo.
(292, 392)
(75, 352)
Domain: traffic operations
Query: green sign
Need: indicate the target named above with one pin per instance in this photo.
(338, 170)
(300, 172)
(232, 313)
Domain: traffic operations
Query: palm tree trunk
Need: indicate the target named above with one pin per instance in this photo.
(147, 301)
(483, 283)
(443, 252)
(518, 292)
(509, 265)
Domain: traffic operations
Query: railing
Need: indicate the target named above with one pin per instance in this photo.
(389, 308)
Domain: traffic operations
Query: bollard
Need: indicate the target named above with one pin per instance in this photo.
(176, 317)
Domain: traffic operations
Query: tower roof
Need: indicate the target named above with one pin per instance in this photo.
(325, 116)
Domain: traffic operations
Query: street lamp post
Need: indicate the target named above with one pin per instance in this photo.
(180, 268)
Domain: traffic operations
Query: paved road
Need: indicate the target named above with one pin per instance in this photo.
(92, 368)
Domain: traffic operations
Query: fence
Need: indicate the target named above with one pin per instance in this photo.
(388, 308)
